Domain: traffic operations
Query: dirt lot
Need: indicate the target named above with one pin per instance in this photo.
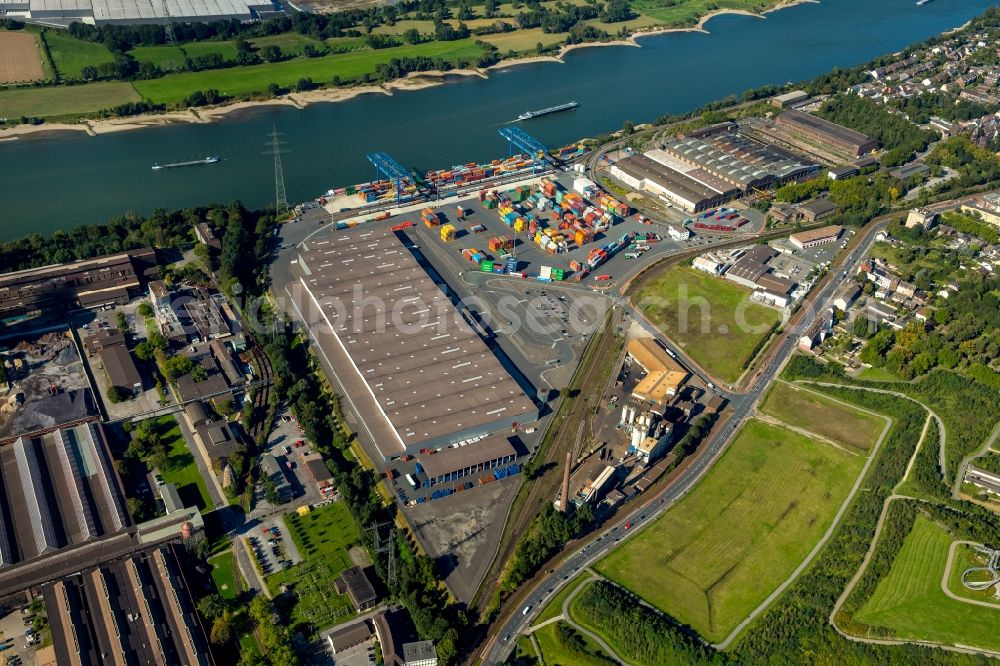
(20, 59)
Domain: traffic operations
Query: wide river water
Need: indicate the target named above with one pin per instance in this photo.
(61, 179)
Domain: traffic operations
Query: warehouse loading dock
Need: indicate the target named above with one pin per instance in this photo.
(430, 374)
(452, 464)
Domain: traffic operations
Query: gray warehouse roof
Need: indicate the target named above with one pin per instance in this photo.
(824, 126)
(644, 168)
(429, 372)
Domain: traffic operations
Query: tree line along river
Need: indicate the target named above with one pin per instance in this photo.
(58, 180)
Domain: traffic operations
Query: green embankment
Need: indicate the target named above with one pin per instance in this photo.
(909, 600)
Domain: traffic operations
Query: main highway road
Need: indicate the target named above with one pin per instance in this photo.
(529, 600)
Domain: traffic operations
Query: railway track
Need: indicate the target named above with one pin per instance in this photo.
(263, 396)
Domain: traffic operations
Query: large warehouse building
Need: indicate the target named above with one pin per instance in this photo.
(824, 132)
(685, 190)
(378, 315)
(737, 161)
(104, 12)
(710, 166)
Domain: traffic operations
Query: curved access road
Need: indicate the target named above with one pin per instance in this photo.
(947, 571)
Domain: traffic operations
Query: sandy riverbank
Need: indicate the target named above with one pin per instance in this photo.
(413, 81)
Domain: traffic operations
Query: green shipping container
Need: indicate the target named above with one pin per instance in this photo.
(486, 267)
(558, 274)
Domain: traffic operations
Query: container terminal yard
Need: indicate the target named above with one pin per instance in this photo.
(519, 262)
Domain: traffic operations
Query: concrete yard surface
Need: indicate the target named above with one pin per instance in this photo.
(462, 532)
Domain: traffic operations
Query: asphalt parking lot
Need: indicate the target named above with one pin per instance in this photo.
(271, 545)
(12, 628)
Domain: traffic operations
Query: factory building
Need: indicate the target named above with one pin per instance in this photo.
(815, 237)
(664, 375)
(57, 490)
(453, 463)
(390, 330)
(136, 610)
(355, 584)
(91, 284)
(126, 12)
(734, 160)
(751, 265)
(693, 195)
(790, 99)
(827, 134)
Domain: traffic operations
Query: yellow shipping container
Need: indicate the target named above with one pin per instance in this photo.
(519, 225)
(448, 233)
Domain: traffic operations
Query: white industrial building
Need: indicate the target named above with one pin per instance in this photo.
(104, 12)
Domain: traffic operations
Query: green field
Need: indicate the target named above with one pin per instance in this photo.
(226, 49)
(822, 416)
(744, 528)
(224, 574)
(709, 317)
(687, 12)
(554, 607)
(236, 81)
(874, 374)
(70, 55)
(65, 100)
(323, 537)
(164, 57)
(910, 603)
(345, 44)
(290, 43)
(557, 653)
(182, 471)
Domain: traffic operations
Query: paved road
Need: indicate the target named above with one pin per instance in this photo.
(742, 406)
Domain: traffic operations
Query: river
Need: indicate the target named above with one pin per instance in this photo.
(61, 179)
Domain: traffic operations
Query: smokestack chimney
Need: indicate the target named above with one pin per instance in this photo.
(565, 487)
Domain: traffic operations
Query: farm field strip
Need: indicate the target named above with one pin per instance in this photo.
(20, 58)
(822, 415)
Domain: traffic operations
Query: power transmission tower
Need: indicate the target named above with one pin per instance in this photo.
(387, 545)
(276, 147)
(169, 28)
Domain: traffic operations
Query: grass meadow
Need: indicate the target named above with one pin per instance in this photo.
(822, 416)
(709, 317)
(716, 555)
